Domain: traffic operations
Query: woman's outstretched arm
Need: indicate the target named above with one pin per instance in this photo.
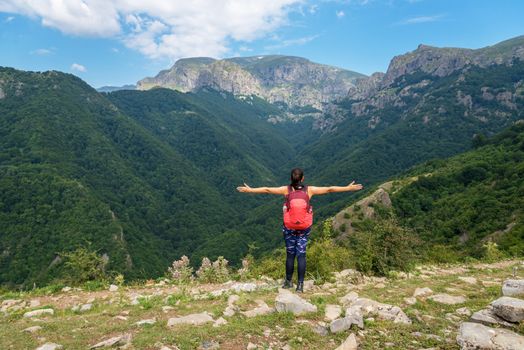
(330, 189)
(271, 190)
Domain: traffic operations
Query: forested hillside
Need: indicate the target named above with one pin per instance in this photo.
(456, 207)
(144, 177)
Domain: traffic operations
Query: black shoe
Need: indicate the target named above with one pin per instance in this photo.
(300, 287)
(287, 284)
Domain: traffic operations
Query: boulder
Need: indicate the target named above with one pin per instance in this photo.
(510, 309)
(344, 323)
(261, 309)
(49, 346)
(348, 298)
(332, 312)
(146, 321)
(86, 307)
(422, 292)
(243, 287)
(120, 340)
(364, 307)
(488, 318)
(513, 288)
(475, 336)
(289, 302)
(39, 312)
(349, 344)
(220, 322)
(463, 311)
(410, 300)
(448, 299)
(194, 319)
(32, 329)
(468, 280)
(113, 288)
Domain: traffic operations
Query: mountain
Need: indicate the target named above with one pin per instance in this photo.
(294, 81)
(456, 204)
(143, 177)
(142, 180)
(116, 88)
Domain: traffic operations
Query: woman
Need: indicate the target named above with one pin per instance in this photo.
(298, 218)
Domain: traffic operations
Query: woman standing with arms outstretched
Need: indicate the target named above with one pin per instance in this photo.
(298, 218)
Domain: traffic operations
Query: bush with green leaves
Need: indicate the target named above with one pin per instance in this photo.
(84, 265)
(384, 246)
(215, 272)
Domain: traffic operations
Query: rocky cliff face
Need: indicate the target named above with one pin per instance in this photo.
(292, 80)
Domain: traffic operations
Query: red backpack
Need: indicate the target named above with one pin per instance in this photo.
(298, 213)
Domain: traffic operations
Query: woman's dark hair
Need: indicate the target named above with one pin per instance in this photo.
(297, 175)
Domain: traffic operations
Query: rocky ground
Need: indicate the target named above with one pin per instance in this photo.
(476, 306)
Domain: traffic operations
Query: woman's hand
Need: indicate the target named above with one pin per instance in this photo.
(244, 188)
(354, 187)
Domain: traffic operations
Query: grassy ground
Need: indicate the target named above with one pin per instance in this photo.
(433, 325)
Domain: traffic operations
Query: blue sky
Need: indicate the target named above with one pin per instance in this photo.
(118, 42)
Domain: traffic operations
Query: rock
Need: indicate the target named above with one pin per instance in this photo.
(32, 329)
(244, 287)
(120, 340)
(510, 309)
(468, 280)
(230, 311)
(194, 319)
(251, 346)
(121, 318)
(422, 292)
(513, 288)
(488, 318)
(66, 289)
(475, 336)
(49, 346)
(309, 284)
(113, 288)
(448, 299)
(320, 330)
(146, 321)
(349, 344)
(410, 300)
(261, 309)
(463, 311)
(86, 307)
(289, 302)
(232, 299)
(342, 324)
(348, 298)
(220, 322)
(39, 312)
(364, 306)
(34, 303)
(209, 345)
(167, 308)
(332, 312)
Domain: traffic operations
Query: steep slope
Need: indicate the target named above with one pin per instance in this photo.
(293, 80)
(461, 202)
(420, 117)
(142, 189)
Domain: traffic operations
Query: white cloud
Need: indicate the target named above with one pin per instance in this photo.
(291, 42)
(340, 14)
(9, 19)
(42, 52)
(78, 67)
(162, 29)
(420, 19)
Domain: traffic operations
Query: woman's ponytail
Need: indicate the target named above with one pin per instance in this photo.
(297, 175)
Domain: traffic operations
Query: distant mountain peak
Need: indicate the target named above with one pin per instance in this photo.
(277, 78)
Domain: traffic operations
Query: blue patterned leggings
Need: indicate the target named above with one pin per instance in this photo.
(296, 244)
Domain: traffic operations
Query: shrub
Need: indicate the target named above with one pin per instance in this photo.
(442, 254)
(491, 252)
(205, 272)
(383, 247)
(84, 265)
(181, 271)
(244, 270)
(324, 257)
(217, 271)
